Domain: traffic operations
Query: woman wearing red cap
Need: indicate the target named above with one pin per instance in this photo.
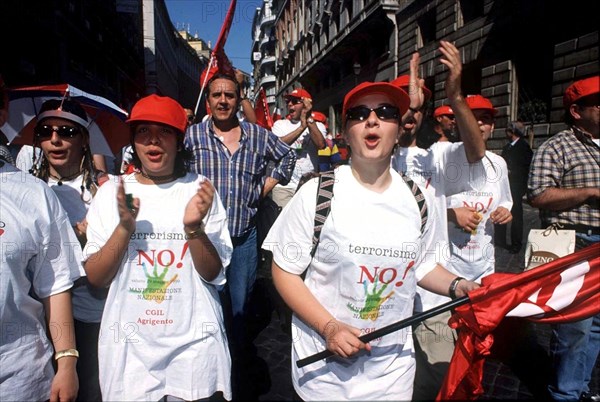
(159, 239)
(365, 270)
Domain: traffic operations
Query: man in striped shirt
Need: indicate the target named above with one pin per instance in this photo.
(234, 155)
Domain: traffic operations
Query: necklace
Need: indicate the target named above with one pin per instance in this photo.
(64, 178)
(168, 177)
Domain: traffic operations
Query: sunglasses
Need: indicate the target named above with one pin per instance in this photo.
(45, 131)
(383, 113)
(294, 101)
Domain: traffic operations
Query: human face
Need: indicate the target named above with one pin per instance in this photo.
(372, 139)
(223, 100)
(589, 115)
(64, 153)
(447, 122)
(485, 119)
(295, 107)
(411, 123)
(156, 146)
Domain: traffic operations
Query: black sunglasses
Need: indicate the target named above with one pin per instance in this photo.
(294, 100)
(45, 131)
(385, 112)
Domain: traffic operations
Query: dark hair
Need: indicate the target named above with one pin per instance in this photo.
(182, 159)
(41, 168)
(229, 77)
(517, 128)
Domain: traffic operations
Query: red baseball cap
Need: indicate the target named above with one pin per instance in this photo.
(443, 110)
(396, 94)
(479, 102)
(403, 81)
(159, 109)
(318, 116)
(298, 93)
(580, 89)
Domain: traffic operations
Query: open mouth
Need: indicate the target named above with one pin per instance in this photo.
(58, 154)
(372, 140)
(154, 156)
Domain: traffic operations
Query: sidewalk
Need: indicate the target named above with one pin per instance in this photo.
(517, 370)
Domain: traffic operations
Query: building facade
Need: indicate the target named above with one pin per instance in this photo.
(263, 52)
(520, 54)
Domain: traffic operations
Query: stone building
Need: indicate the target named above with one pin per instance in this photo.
(520, 54)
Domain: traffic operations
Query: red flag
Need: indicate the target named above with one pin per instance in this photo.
(261, 108)
(566, 289)
(219, 62)
(276, 114)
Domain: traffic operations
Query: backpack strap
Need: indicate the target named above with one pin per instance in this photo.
(324, 196)
(419, 197)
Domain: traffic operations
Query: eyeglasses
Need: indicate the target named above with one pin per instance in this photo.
(45, 131)
(361, 113)
(293, 100)
(449, 116)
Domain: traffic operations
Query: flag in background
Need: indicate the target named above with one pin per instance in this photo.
(261, 108)
(566, 289)
(219, 62)
(276, 114)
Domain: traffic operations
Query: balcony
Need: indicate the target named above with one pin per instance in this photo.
(267, 19)
(266, 80)
(267, 61)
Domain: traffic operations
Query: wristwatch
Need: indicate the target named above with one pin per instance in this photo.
(310, 120)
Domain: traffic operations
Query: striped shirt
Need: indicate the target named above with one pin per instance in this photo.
(570, 159)
(239, 178)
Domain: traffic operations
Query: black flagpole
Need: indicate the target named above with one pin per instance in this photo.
(415, 319)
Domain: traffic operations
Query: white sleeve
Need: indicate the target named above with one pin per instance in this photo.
(290, 237)
(102, 218)
(506, 200)
(58, 261)
(279, 128)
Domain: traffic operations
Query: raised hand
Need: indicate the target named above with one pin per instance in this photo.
(128, 209)
(415, 84)
(451, 59)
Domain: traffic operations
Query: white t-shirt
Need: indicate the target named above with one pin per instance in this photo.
(364, 274)
(473, 253)
(307, 158)
(88, 302)
(440, 171)
(25, 156)
(162, 329)
(41, 255)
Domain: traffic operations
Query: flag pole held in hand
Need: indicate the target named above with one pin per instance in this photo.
(415, 319)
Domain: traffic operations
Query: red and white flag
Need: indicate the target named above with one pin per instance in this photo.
(566, 289)
(261, 109)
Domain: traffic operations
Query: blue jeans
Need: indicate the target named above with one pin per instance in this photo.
(241, 275)
(574, 348)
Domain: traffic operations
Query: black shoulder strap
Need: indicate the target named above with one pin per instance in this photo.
(419, 197)
(324, 196)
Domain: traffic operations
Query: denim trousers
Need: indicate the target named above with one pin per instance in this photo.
(574, 348)
(241, 275)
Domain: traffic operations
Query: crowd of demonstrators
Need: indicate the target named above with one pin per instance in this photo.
(442, 170)
(564, 183)
(304, 135)
(162, 266)
(156, 276)
(235, 155)
(336, 302)
(517, 155)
